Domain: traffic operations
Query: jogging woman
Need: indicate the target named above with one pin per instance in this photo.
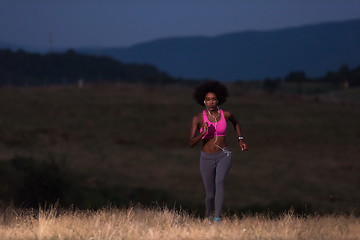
(209, 126)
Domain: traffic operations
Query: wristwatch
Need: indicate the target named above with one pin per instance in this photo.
(240, 138)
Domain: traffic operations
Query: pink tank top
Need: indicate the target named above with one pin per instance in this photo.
(215, 129)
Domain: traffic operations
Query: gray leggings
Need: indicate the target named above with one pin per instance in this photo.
(213, 168)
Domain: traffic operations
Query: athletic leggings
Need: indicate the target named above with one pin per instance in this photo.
(213, 168)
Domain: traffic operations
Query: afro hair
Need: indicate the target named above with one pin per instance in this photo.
(210, 86)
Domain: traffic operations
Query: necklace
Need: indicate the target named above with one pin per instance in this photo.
(212, 115)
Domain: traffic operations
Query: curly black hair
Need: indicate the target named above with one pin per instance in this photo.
(210, 86)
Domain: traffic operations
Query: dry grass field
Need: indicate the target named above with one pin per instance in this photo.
(129, 143)
(142, 223)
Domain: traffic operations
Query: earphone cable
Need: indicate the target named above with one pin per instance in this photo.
(227, 152)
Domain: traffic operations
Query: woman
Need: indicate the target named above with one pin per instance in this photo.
(215, 157)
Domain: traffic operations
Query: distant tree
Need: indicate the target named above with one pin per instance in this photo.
(354, 77)
(344, 70)
(344, 75)
(271, 85)
(298, 77)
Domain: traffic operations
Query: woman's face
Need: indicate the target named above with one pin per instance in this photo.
(211, 101)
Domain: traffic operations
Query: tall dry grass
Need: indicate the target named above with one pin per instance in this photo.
(142, 223)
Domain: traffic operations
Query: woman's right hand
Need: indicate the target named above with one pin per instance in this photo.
(204, 128)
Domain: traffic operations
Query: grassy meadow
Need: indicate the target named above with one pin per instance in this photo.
(128, 143)
(142, 223)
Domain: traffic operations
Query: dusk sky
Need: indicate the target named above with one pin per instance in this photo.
(84, 23)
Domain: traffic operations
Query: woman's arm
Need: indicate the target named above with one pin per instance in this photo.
(232, 119)
(194, 139)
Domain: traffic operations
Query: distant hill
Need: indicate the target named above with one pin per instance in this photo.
(22, 68)
(314, 49)
(6, 45)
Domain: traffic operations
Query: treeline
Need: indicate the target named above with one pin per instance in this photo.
(21, 69)
(344, 78)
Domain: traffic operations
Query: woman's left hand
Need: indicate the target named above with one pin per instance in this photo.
(243, 145)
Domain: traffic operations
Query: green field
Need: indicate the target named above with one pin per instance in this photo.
(129, 143)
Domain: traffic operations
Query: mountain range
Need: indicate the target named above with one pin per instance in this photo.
(314, 49)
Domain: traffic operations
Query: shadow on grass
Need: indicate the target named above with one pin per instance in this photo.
(28, 183)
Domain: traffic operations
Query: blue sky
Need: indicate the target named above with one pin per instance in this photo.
(110, 23)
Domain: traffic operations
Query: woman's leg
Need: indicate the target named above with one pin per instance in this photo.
(222, 168)
(207, 169)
